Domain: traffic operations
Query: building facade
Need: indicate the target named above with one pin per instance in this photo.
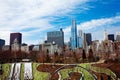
(88, 39)
(111, 37)
(80, 39)
(57, 37)
(74, 35)
(14, 36)
(2, 43)
(118, 36)
(15, 46)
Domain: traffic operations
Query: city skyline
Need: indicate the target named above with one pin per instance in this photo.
(35, 18)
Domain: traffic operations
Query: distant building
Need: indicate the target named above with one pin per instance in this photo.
(105, 35)
(14, 36)
(31, 47)
(15, 46)
(74, 35)
(111, 37)
(51, 47)
(118, 36)
(25, 47)
(80, 39)
(95, 46)
(37, 48)
(2, 43)
(57, 37)
(6, 47)
(88, 39)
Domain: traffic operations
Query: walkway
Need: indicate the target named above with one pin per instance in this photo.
(28, 71)
(17, 71)
(11, 72)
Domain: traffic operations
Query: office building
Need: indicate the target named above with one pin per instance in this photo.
(74, 35)
(118, 36)
(111, 37)
(57, 37)
(14, 36)
(2, 43)
(105, 35)
(80, 39)
(88, 39)
(15, 46)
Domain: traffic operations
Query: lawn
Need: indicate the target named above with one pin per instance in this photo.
(6, 71)
(86, 74)
(103, 70)
(39, 75)
(64, 73)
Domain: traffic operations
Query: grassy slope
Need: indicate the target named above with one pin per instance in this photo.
(87, 75)
(6, 71)
(39, 75)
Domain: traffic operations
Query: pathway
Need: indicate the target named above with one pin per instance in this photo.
(17, 71)
(11, 72)
(28, 71)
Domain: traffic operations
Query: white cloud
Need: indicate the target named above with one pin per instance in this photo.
(96, 23)
(17, 15)
(99, 23)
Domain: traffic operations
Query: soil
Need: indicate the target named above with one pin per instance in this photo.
(113, 66)
(74, 76)
(51, 69)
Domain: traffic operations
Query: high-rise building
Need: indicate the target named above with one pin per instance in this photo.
(88, 39)
(105, 35)
(111, 37)
(118, 36)
(2, 43)
(73, 35)
(15, 46)
(14, 36)
(80, 39)
(57, 37)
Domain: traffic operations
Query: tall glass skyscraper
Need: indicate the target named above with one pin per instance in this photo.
(73, 35)
(88, 38)
(80, 39)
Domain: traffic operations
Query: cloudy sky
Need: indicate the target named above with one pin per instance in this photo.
(34, 18)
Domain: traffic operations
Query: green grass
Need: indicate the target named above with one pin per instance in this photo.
(22, 72)
(104, 70)
(87, 75)
(39, 75)
(6, 71)
(64, 73)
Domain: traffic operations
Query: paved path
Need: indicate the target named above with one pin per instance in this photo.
(28, 71)
(11, 72)
(17, 71)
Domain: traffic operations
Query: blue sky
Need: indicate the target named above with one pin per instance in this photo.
(34, 18)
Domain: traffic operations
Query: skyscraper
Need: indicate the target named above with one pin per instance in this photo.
(118, 36)
(111, 37)
(57, 37)
(80, 39)
(105, 35)
(73, 35)
(88, 39)
(14, 36)
(2, 43)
